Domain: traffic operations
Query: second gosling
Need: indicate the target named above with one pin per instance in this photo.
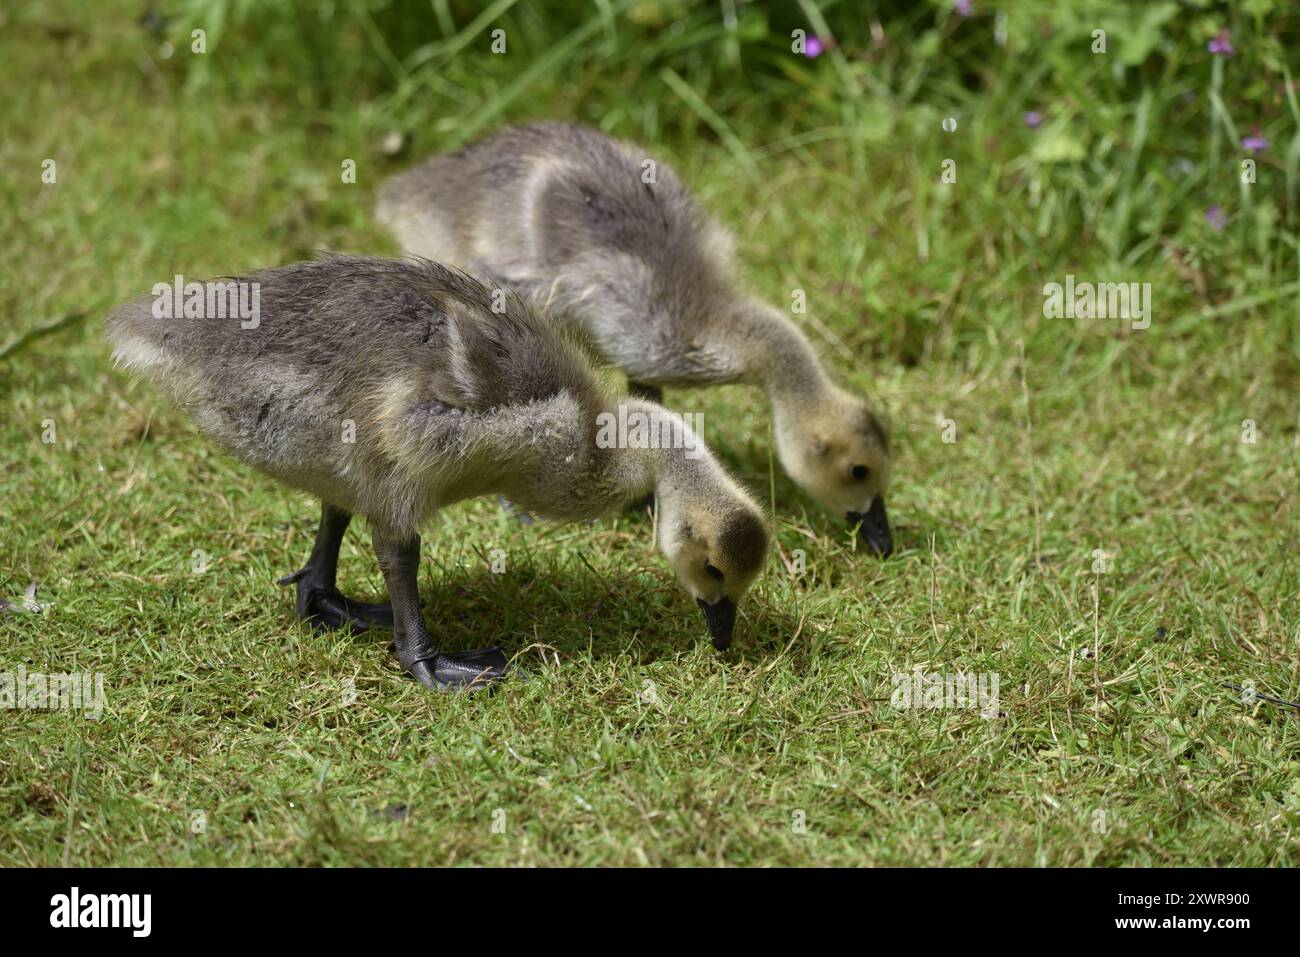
(615, 244)
(393, 388)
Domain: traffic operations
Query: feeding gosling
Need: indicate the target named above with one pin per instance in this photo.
(566, 215)
(444, 399)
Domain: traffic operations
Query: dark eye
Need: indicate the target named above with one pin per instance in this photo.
(713, 570)
(860, 472)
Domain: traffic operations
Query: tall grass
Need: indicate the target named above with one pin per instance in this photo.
(1117, 157)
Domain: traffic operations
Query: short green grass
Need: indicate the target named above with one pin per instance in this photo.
(233, 736)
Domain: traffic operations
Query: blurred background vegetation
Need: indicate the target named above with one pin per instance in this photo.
(427, 64)
(1128, 145)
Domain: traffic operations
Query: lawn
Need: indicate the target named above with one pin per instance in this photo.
(1102, 516)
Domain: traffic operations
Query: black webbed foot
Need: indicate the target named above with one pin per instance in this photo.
(453, 671)
(325, 607)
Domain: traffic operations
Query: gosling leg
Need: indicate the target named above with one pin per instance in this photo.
(642, 391)
(399, 560)
(656, 395)
(319, 600)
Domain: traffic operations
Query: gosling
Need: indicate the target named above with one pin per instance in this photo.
(611, 242)
(393, 388)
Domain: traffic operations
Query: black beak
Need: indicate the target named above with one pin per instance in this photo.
(874, 527)
(721, 619)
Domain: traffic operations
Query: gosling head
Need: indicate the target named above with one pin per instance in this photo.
(717, 546)
(838, 450)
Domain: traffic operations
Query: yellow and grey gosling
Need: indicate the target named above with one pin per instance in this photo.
(391, 388)
(612, 243)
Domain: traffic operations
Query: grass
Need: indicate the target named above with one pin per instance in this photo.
(631, 742)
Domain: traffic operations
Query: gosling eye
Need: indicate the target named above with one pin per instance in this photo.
(713, 570)
(860, 472)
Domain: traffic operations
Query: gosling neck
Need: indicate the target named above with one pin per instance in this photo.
(783, 362)
(575, 461)
(655, 449)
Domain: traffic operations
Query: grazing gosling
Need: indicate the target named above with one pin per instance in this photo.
(392, 388)
(573, 219)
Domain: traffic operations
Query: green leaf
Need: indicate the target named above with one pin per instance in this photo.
(1140, 36)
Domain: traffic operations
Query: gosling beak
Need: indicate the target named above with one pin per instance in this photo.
(873, 526)
(721, 619)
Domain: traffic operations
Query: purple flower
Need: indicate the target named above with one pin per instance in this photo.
(1221, 44)
(1216, 218)
(1255, 143)
(813, 47)
(1033, 119)
(962, 7)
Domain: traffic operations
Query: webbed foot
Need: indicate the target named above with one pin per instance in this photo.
(456, 670)
(325, 607)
